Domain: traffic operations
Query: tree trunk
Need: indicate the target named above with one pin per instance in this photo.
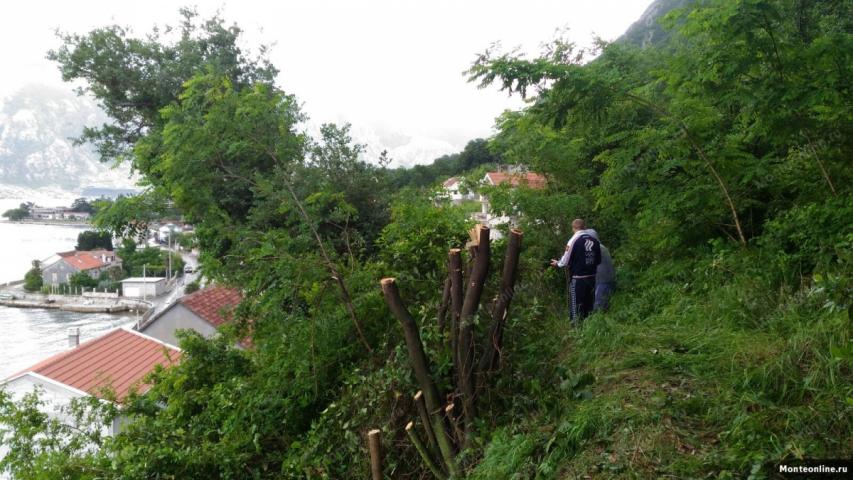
(454, 267)
(442, 308)
(494, 344)
(476, 283)
(420, 365)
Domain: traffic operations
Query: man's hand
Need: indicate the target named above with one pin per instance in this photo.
(554, 262)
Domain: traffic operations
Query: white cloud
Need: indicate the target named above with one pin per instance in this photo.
(390, 65)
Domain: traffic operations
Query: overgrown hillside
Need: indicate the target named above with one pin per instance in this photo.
(716, 167)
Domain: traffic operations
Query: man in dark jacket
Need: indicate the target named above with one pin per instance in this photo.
(582, 256)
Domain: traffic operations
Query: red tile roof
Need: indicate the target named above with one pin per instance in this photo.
(82, 260)
(213, 304)
(530, 179)
(118, 360)
(450, 182)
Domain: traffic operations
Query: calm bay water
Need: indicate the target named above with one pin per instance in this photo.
(30, 335)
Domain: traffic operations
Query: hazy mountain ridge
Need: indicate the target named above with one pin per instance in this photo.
(404, 150)
(37, 125)
(647, 31)
(38, 158)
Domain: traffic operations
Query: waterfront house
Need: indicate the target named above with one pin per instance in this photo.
(108, 367)
(67, 264)
(203, 311)
(143, 287)
(48, 213)
(69, 214)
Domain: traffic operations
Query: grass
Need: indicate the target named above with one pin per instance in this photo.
(716, 382)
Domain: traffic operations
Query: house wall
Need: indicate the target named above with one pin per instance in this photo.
(63, 271)
(57, 273)
(56, 397)
(163, 328)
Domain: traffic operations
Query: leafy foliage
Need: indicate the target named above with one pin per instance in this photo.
(92, 240)
(20, 213)
(715, 166)
(32, 279)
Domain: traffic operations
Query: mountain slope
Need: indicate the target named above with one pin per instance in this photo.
(37, 125)
(647, 31)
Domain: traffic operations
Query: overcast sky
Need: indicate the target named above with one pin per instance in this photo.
(390, 65)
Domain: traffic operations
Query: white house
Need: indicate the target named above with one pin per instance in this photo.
(116, 363)
(453, 191)
(511, 177)
(203, 311)
(143, 287)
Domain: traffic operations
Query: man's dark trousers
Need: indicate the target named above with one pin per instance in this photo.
(581, 298)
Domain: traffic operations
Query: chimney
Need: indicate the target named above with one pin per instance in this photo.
(73, 337)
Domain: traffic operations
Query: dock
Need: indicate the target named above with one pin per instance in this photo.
(68, 307)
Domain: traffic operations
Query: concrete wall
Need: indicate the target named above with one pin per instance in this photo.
(100, 294)
(163, 327)
(140, 290)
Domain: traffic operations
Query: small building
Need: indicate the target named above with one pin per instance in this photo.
(108, 367)
(47, 213)
(452, 189)
(68, 263)
(511, 177)
(75, 215)
(143, 287)
(203, 311)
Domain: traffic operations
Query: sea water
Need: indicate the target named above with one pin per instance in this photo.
(28, 336)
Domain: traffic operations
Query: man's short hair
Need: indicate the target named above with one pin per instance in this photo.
(578, 224)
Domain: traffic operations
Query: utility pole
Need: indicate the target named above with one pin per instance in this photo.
(169, 253)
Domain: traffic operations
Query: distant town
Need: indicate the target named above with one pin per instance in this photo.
(80, 212)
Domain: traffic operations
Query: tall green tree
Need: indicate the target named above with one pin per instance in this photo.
(93, 240)
(33, 278)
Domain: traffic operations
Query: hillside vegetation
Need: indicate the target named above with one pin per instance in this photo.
(716, 168)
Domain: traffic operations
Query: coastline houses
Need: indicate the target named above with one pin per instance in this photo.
(66, 264)
(57, 213)
(203, 311)
(109, 367)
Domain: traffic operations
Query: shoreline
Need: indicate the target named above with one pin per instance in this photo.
(66, 307)
(49, 223)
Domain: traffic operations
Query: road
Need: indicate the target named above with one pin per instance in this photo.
(177, 291)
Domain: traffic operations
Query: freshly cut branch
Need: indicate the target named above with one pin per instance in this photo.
(420, 365)
(375, 447)
(424, 414)
(424, 453)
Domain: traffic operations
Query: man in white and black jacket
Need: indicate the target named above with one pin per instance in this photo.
(582, 256)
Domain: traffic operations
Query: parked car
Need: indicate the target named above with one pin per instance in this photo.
(189, 269)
